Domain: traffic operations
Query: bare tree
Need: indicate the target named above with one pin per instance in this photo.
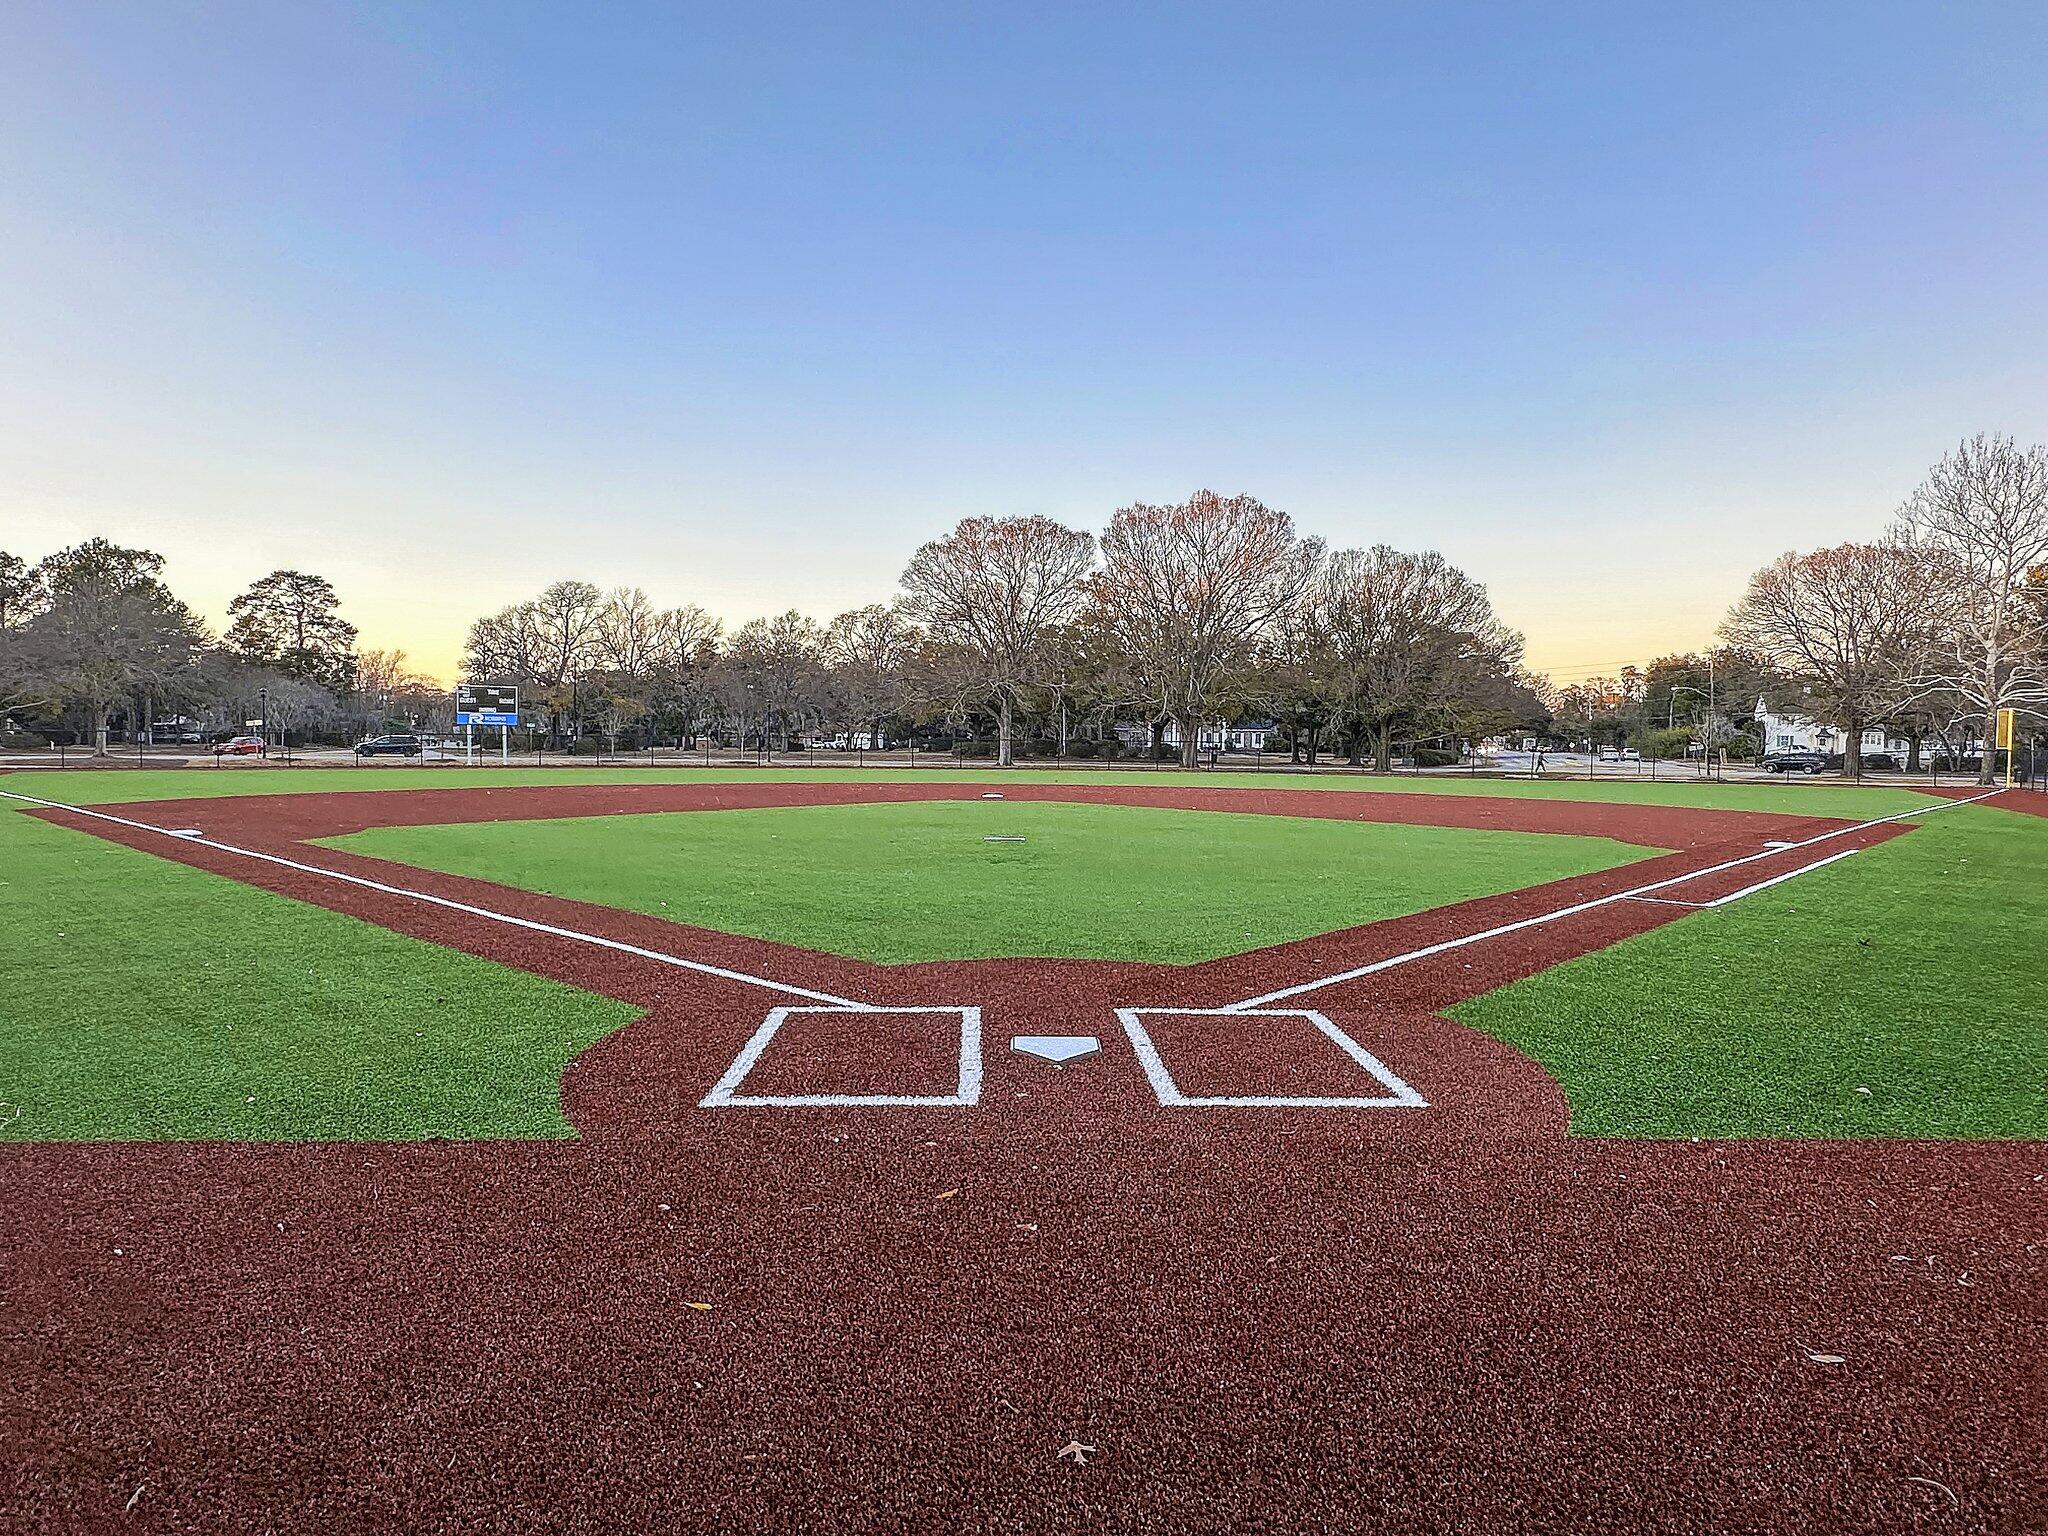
(997, 589)
(387, 684)
(1411, 636)
(687, 648)
(629, 636)
(546, 645)
(1844, 625)
(774, 671)
(1983, 515)
(566, 621)
(503, 647)
(869, 651)
(1191, 591)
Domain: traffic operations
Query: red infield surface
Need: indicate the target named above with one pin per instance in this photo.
(1388, 1316)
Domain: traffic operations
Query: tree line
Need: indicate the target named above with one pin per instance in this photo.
(1932, 629)
(1045, 638)
(1034, 637)
(91, 635)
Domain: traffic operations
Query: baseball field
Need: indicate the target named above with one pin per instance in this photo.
(764, 1150)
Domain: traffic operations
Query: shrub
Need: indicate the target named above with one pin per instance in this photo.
(1668, 743)
(1082, 747)
(1437, 757)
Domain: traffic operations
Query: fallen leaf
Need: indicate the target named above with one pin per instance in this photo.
(1827, 1359)
(1075, 1452)
(698, 1306)
(948, 1194)
(1954, 1502)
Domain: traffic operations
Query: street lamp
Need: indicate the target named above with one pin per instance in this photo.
(263, 717)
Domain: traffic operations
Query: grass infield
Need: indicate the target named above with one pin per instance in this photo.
(913, 882)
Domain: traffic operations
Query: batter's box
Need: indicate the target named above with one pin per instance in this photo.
(834, 1058)
(1262, 1047)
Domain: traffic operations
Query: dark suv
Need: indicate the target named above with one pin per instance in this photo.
(1793, 762)
(389, 746)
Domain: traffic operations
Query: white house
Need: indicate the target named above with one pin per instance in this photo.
(1217, 737)
(1791, 732)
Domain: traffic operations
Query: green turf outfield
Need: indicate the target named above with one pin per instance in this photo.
(919, 881)
(1903, 992)
(141, 999)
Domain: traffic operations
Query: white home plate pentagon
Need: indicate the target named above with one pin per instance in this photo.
(1056, 1049)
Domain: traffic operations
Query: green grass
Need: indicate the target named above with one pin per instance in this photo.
(911, 882)
(113, 786)
(144, 1000)
(1917, 971)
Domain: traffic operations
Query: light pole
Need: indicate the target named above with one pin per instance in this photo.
(263, 717)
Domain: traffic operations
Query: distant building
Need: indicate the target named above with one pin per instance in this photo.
(1249, 736)
(1793, 732)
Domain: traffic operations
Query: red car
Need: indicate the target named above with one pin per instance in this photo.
(242, 746)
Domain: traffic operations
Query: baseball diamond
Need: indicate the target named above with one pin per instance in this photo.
(794, 1238)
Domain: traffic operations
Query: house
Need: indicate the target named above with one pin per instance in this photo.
(1249, 736)
(1792, 732)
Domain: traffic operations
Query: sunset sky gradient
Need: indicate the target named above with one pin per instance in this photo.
(1611, 304)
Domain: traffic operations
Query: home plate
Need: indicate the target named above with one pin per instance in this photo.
(1056, 1048)
(184, 832)
(1779, 843)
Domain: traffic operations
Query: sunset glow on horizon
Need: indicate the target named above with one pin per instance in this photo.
(741, 305)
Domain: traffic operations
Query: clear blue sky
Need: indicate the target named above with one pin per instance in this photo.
(1610, 303)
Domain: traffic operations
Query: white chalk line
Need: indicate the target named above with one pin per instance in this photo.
(189, 837)
(1751, 890)
(1169, 1093)
(725, 1092)
(1573, 910)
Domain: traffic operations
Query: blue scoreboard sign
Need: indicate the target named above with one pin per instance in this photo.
(486, 704)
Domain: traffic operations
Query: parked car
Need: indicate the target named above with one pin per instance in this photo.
(1793, 762)
(1882, 762)
(389, 746)
(242, 746)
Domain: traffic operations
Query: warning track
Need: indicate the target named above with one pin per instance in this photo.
(1283, 1319)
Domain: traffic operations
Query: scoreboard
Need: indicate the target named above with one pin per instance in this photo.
(486, 704)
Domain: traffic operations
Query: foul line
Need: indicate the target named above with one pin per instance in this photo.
(1750, 890)
(1640, 892)
(189, 837)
